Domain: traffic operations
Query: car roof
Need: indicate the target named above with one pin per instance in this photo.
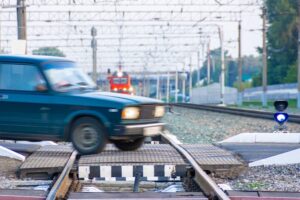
(32, 59)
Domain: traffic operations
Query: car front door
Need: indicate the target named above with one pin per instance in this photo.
(24, 110)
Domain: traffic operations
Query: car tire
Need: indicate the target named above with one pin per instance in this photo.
(88, 136)
(129, 145)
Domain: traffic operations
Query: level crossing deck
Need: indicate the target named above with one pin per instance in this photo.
(154, 162)
(46, 162)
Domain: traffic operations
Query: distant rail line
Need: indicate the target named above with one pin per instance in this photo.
(236, 111)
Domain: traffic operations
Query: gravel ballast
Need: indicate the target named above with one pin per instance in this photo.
(8, 169)
(267, 178)
(197, 126)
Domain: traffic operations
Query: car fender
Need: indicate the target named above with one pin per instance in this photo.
(81, 113)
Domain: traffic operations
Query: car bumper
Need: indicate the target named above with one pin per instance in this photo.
(152, 129)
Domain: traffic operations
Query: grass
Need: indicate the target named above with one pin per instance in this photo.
(255, 185)
(258, 104)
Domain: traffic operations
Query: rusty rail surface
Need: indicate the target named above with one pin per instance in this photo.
(207, 185)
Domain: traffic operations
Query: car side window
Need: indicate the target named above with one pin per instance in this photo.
(20, 77)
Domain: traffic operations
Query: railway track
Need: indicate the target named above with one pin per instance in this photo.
(209, 189)
(61, 187)
(237, 111)
(66, 183)
(206, 184)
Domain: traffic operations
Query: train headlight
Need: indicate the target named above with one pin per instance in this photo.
(159, 111)
(124, 89)
(281, 118)
(115, 89)
(130, 89)
(131, 113)
(120, 74)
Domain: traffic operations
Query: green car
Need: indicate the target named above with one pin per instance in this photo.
(49, 98)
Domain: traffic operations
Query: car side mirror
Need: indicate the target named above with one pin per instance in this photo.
(41, 88)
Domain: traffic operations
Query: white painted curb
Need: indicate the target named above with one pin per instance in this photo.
(293, 138)
(290, 157)
(11, 154)
(42, 143)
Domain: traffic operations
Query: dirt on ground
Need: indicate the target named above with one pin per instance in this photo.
(9, 167)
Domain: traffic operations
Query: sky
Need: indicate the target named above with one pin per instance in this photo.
(155, 35)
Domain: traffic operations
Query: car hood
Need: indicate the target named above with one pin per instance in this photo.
(119, 98)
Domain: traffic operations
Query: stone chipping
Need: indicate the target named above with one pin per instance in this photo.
(197, 126)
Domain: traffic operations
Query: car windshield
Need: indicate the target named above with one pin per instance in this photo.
(64, 76)
(119, 80)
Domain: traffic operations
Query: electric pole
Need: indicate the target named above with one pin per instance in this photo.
(94, 48)
(176, 85)
(298, 96)
(191, 79)
(183, 85)
(144, 81)
(264, 78)
(168, 86)
(0, 32)
(240, 89)
(198, 67)
(208, 63)
(157, 86)
(222, 66)
(21, 21)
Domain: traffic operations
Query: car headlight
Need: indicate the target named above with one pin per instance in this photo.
(131, 113)
(159, 111)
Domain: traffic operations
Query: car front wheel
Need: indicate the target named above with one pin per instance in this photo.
(88, 136)
(129, 145)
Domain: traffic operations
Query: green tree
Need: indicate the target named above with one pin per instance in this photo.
(282, 37)
(232, 72)
(215, 64)
(48, 51)
(251, 68)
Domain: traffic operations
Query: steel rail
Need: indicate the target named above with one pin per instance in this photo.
(53, 193)
(237, 111)
(207, 185)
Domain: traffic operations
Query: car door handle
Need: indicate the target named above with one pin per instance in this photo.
(3, 96)
(44, 108)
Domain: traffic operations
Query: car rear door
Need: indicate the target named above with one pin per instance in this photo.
(24, 111)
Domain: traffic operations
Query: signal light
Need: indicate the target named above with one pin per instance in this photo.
(281, 118)
(281, 105)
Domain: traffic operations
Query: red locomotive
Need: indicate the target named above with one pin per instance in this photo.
(120, 82)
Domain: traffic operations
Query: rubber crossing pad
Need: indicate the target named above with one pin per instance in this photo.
(155, 162)
(45, 162)
(215, 160)
(149, 153)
